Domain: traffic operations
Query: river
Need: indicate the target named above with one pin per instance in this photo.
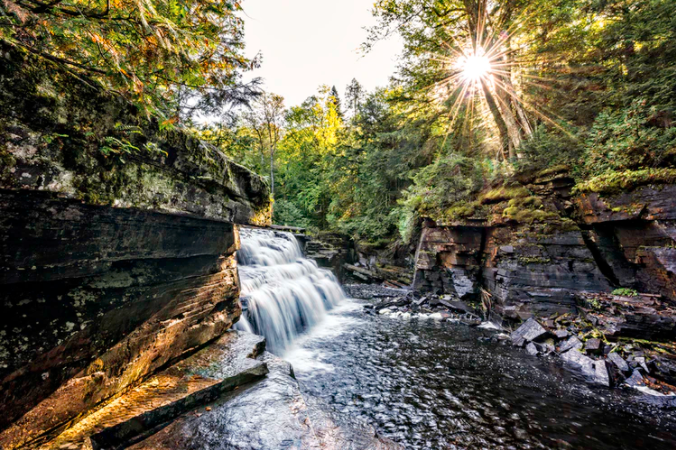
(436, 385)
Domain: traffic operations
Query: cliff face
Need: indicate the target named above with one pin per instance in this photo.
(578, 243)
(634, 234)
(117, 243)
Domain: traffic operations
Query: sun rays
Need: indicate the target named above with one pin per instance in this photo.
(488, 80)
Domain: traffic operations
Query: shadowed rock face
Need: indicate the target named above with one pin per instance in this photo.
(635, 233)
(619, 240)
(526, 270)
(111, 267)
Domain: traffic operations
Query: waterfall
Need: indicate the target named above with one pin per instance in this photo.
(283, 293)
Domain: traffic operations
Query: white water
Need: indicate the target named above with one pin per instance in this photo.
(284, 294)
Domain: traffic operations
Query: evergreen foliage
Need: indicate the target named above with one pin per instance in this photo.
(585, 86)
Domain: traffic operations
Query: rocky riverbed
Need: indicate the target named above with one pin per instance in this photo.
(440, 384)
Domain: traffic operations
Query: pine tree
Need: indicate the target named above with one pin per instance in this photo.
(355, 97)
(335, 97)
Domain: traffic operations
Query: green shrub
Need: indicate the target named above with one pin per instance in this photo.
(625, 292)
(451, 180)
(547, 149)
(629, 139)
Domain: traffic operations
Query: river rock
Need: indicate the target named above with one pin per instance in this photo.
(531, 349)
(601, 375)
(561, 333)
(619, 362)
(635, 380)
(582, 362)
(546, 347)
(593, 346)
(640, 360)
(529, 331)
(457, 306)
(572, 343)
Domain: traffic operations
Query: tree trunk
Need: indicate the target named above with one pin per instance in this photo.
(499, 121)
(272, 173)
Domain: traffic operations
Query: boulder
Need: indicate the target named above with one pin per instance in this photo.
(593, 346)
(601, 375)
(594, 372)
(619, 362)
(561, 333)
(572, 343)
(581, 362)
(529, 331)
(531, 349)
(640, 361)
(635, 380)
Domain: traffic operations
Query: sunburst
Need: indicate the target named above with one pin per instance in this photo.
(484, 78)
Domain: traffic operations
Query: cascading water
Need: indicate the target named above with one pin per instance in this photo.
(283, 293)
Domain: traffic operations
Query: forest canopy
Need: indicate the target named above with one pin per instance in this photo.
(169, 57)
(486, 93)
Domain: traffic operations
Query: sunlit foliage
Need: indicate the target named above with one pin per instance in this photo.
(157, 53)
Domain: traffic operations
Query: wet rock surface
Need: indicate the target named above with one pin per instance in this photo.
(441, 385)
(407, 304)
(223, 366)
(271, 414)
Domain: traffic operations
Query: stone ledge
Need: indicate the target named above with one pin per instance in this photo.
(198, 380)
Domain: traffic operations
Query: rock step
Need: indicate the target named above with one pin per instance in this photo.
(195, 381)
(271, 414)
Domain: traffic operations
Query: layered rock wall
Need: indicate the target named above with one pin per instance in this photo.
(582, 243)
(635, 234)
(115, 260)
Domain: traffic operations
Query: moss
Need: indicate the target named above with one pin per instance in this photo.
(502, 194)
(617, 182)
(534, 260)
(561, 225)
(463, 211)
(527, 210)
(558, 169)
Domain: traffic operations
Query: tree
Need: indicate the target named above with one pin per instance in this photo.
(266, 120)
(150, 51)
(354, 94)
(335, 98)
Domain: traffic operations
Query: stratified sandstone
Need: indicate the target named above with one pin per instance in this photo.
(635, 235)
(532, 260)
(113, 264)
(537, 261)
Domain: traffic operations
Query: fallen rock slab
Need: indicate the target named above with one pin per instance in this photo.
(531, 349)
(581, 362)
(601, 375)
(529, 331)
(572, 343)
(619, 362)
(561, 333)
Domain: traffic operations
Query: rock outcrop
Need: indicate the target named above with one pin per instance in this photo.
(536, 246)
(117, 243)
(331, 251)
(634, 234)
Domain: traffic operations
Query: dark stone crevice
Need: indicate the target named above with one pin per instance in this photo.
(602, 264)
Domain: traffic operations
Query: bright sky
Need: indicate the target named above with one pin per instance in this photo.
(307, 43)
